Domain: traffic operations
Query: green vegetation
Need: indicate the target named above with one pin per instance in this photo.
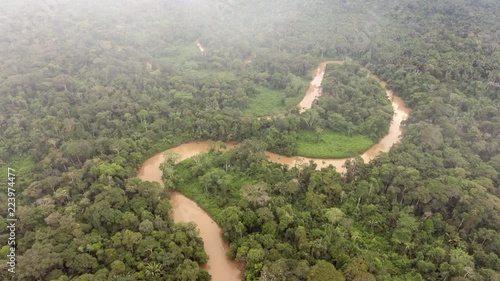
(22, 168)
(226, 185)
(327, 144)
(352, 114)
(352, 103)
(279, 219)
(269, 102)
(179, 55)
(89, 89)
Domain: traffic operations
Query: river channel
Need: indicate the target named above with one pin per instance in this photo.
(185, 210)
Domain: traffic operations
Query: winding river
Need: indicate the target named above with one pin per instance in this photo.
(185, 210)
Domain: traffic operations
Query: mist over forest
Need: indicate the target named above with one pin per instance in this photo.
(90, 90)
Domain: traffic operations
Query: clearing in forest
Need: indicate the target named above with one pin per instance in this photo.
(269, 102)
(329, 144)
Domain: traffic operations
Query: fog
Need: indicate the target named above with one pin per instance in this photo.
(227, 24)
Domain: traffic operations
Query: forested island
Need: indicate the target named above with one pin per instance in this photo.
(90, 90)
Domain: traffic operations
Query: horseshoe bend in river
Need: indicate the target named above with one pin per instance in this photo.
(185, 210)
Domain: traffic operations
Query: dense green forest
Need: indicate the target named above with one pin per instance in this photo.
(91, 89)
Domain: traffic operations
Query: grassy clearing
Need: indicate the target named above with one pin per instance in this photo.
(331, 145)
(268, 102)
(181, 95)
(179, 54)
(22, 170)
(328, 58)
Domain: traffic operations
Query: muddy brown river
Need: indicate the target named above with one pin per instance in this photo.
(314, 90)
(185, 210)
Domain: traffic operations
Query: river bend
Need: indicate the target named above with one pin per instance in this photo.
(185, 210)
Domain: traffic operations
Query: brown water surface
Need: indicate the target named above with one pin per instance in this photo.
(186, 210)
(219, 265)
(401, 113)
(314, 90)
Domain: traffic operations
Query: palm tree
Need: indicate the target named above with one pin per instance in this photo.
(153, 269)
(256, 194)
